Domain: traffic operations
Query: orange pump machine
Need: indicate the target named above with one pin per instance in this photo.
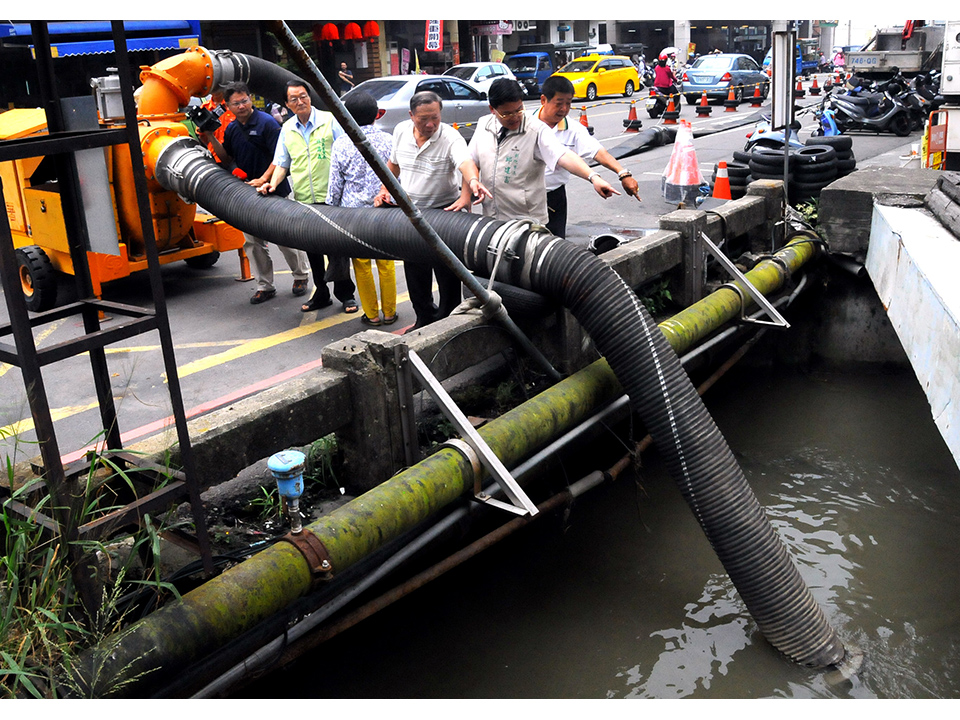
(32, 198)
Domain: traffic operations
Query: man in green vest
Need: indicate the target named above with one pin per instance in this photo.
(303, 152)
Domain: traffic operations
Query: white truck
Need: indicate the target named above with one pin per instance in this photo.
(910, 49)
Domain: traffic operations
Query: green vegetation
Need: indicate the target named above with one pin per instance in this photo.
(44, 627)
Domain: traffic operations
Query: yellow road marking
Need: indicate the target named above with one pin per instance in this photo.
(41, 336)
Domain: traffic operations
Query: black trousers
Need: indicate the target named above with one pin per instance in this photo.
(343, 287)
(419, 277)
(557, 211)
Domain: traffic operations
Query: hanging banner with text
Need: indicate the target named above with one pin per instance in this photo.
(433, 39)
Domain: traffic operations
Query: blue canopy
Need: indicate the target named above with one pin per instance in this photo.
(141, 35)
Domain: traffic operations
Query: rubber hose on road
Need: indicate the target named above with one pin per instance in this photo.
(649, 370)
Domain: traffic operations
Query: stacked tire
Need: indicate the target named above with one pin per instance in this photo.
(814, 167)
(767, 164)
(843, 146)
(739, 175)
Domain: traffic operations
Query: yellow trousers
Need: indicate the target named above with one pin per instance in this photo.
(386, 271)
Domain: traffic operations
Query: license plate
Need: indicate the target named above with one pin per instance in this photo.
(702, 79)
(651, 102)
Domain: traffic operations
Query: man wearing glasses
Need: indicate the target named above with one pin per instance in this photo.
(250, 141)
(303, 152)
(433, 165)
(514, 151)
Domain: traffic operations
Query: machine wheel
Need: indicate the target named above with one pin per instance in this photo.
(38, 279)
(202, 262)
(764, 90)
(902, 125)
(692, 99)
(591, 92)
(738, 94)
(628, 90)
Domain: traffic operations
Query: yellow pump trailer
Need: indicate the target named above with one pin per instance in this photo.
(32, 202)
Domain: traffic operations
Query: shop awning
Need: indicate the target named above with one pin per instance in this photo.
(90, 38)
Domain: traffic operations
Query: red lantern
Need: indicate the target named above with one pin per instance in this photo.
(352, 32)
(371, 29)
(329, 32)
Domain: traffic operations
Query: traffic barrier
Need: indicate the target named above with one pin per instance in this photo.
(799, 91)
(632, 124)
(721, 188)
(704, 109)
(757, 98)
(814, 88)
(731, 102)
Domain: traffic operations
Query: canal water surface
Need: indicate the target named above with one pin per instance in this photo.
(626, 599)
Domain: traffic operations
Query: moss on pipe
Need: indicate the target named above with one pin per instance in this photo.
(703, 317)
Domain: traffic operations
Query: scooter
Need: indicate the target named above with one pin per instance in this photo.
(657, 103)
(871, 112)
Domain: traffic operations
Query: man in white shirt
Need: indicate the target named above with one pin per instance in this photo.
(513, 152)
(433, 165)
(556, 97)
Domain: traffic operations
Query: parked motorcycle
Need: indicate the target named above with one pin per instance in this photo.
(881, 110)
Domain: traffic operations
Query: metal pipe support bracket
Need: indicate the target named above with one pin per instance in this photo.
(314, 552)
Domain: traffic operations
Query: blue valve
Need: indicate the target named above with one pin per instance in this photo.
(287, 468)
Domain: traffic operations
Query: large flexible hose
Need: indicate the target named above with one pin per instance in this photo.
(650, 372)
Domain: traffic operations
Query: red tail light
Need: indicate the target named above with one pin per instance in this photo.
(750, 134)
(380, 113)
(727, 77)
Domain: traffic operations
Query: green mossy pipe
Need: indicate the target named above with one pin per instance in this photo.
(226, 606)
(712, 312)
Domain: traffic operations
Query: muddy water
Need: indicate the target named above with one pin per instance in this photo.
(627, 600)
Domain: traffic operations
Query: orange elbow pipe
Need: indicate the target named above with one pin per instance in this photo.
(169, 85)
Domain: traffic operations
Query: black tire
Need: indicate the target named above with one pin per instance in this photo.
(653, 114)
(741, 157)
(845, 166)
(202, 262)
(814, 155)
(807, 189)
(902, 125)
(692, 99)
(837, 142)
(38, 279)
(735, 169)
(827, 175)
(764, 90)
(738, 94)
(628, 90)
(591, 92)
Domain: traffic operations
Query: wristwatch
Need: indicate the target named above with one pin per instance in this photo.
(591, 176)
(624, 174)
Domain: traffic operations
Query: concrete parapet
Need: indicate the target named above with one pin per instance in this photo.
(355, 393)
(846, 205)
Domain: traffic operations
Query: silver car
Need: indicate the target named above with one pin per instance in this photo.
(480, 75)
(462, 104)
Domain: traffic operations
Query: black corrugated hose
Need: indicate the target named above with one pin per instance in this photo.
(661, 393)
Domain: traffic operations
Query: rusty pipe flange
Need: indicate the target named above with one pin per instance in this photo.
(314, 552)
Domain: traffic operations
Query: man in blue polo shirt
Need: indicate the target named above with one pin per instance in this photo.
(249, 142)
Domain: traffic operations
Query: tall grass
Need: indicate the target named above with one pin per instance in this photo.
(44, 628)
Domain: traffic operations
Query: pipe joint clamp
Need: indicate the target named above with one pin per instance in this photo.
(314, 552)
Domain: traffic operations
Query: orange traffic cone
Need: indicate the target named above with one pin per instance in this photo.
(799, 91)
(704, 109)
(583, 116)
(731, 101)
(245, 273)
(681, 179)
(721, 188)
(671, 113)
(632, 124)
(814, 88)
(757, 97)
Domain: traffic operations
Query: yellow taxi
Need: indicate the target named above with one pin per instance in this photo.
(596, 75)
